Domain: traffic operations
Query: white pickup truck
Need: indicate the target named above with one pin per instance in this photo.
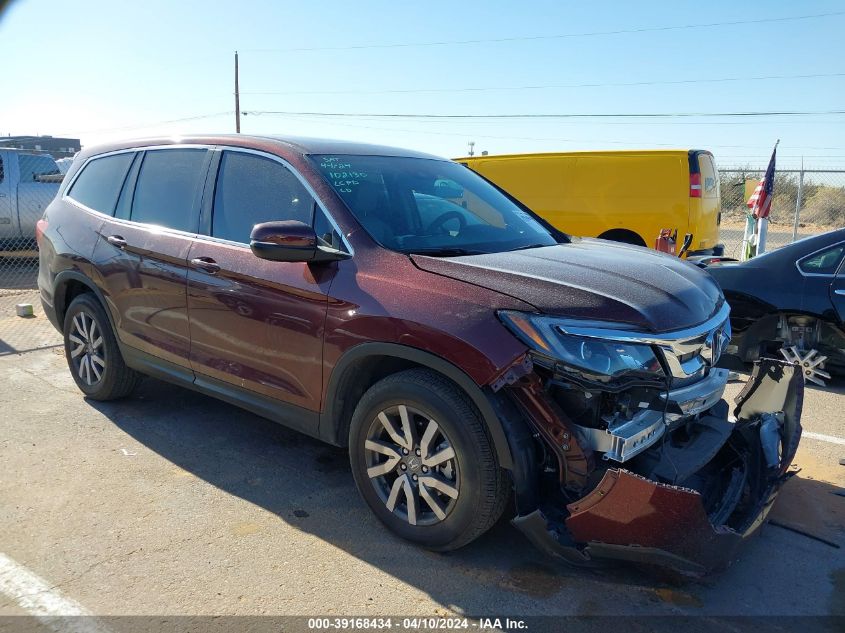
(28, 183)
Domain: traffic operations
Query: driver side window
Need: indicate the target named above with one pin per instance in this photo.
(252, 189)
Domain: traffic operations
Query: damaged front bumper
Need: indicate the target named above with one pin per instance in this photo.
(689, 501)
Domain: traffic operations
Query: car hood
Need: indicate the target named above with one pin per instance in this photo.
(593, 279)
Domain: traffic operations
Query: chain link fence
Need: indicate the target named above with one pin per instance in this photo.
(806, 202)
(28, 182)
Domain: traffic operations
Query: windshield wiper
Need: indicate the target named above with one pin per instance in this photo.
(445, 252)
(530, 246)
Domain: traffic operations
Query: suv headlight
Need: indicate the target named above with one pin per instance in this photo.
(596, 356)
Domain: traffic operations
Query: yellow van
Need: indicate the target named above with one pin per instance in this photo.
(627, 196)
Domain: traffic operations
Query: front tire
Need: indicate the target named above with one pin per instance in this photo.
(424, 462)
(92, 354)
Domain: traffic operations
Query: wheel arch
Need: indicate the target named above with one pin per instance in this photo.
(363, 365)
(68, 285)
(626, 236)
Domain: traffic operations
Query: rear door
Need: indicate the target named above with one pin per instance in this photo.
(6, 199)
(256, 324)
(837, 289)
(142, 252)
(705, 210)
(38, 185)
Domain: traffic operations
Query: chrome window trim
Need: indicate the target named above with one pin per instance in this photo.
(69, 185)
(821, 250)
(126, 221)
(297, 175)
(67, 198)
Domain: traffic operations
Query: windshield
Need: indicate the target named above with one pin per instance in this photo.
(418, 205)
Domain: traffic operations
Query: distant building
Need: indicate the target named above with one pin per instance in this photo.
(55, 146)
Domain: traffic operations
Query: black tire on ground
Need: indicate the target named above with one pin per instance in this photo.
(115, 380)
(484, 487)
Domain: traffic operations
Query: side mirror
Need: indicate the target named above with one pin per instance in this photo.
(290, 241)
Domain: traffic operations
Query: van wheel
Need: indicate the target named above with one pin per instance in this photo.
(623, 235)
(92, 353)
(424, 462)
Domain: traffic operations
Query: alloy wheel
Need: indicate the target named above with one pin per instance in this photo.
(86, 351)
(812, 364)
(412, 465)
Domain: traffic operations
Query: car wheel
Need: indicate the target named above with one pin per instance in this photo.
(92, 354)
(424, 462)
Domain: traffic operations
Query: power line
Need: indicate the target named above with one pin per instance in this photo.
(642, 115)
(542, 87)
(464, 134)
(545, 37)
(157, 123)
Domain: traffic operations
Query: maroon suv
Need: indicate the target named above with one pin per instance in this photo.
(462, 348)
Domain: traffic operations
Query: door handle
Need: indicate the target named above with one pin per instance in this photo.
(839, 292)
(205, 264)
(2, 195)
(116, 240)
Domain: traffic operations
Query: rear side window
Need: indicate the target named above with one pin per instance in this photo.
(100, 181)
(252, 189)
(823, 263)
(167, 185)
(35, 165)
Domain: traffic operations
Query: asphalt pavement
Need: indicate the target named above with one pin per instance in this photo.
(170, 502)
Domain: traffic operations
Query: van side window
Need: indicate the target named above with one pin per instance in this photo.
(98, 186)
(34, 165)
(252, 189)
(167, 185)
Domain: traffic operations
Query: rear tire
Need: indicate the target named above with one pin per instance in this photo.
(92, 354)
(442, 487)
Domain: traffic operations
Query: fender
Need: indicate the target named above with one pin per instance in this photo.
(332, 428)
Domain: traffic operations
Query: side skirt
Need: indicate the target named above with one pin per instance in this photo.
(291, 416)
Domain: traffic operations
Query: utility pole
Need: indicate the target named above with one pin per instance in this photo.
(237, 98)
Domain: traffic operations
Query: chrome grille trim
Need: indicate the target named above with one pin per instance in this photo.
(705, 342)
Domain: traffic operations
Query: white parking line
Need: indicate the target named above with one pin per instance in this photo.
(821, 437)
(40, 599)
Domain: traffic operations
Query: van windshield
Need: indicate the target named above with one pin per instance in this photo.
(436, 207)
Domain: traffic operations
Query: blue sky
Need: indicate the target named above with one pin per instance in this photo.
(100, 70)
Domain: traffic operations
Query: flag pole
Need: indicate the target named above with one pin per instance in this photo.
(763, 223)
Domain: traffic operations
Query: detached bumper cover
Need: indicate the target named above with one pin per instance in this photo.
(630, 517)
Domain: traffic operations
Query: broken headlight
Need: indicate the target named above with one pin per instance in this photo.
(595, 356)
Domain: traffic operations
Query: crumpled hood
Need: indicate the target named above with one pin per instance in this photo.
(593, 279)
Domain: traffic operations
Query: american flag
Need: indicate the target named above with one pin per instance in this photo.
(760, 201)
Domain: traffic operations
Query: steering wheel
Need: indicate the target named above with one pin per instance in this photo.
(441, 219)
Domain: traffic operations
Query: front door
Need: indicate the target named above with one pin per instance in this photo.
(256, 324)
(141, 256)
